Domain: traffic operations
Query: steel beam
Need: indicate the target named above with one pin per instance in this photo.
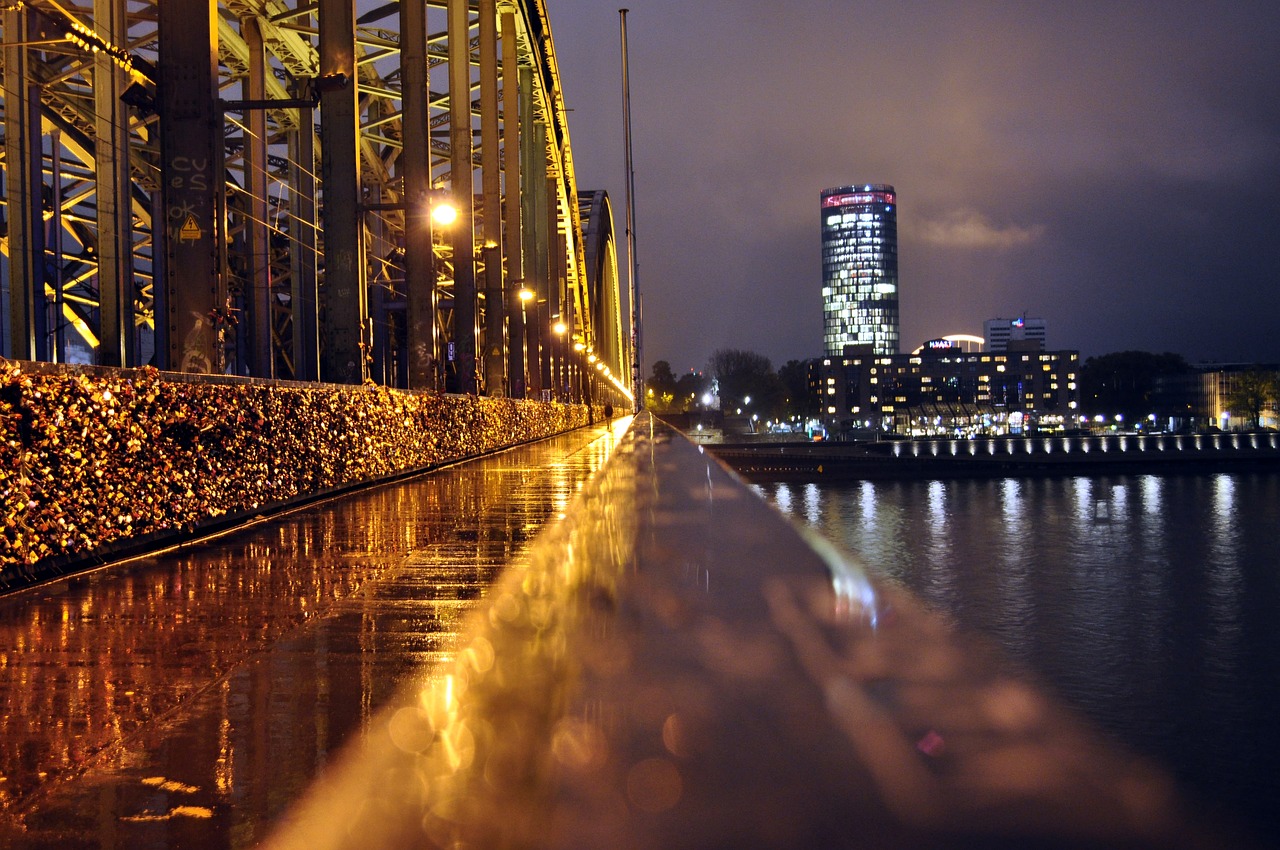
(511, 98)
(464, 280)
(304, 262)
(535, 196)
(28, 322)
(415, 168)
(116, 331)
(491, 182)
(191, 164)
(257, 272)
(345, 304)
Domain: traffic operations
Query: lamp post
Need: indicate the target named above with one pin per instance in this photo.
(633, 269)
(581, 387)
(559, 363)
(518, 380)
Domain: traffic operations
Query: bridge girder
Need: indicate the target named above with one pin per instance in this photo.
(270, 274)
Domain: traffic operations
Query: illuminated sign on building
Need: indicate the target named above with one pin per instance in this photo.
(857, 198)
(937, 344)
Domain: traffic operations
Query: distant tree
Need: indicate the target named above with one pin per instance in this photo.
(689, 389)
(1250, 394)
(795, 380)
(1124, 382)
(746, 374)
(660, 388)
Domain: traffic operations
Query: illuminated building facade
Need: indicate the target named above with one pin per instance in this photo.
(950, 392)
(1009, 334)
(860, 268)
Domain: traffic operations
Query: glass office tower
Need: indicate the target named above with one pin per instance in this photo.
(860, 268)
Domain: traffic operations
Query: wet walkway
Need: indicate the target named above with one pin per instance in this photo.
(187, 699)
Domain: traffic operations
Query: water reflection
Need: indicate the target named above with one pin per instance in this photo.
(812, 499)
(1146, 601)
(205, 687)
(1012, 579)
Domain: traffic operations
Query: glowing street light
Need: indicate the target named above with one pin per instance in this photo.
(444, 213)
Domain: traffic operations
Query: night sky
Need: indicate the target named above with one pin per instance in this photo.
(1110, 167)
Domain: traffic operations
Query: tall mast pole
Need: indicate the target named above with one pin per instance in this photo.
(637, 374)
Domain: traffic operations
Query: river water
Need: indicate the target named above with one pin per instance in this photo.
(1150, 603)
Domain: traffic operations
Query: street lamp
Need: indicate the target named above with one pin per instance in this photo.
(443, 213)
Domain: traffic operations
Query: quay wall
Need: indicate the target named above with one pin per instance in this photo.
(1004, 456)
(97, 463)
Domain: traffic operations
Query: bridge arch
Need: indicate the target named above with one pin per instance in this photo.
(303, 251)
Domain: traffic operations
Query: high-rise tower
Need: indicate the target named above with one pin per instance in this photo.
(860, 268)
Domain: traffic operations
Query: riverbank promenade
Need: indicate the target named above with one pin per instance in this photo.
(603, 639)
(1001, 457)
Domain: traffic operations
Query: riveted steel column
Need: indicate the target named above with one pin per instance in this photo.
(491, 182)
(28, 322)
(415, 162)
(464, 268)
(555, 287)
(343, 359)
(535, 191)
(191, 158)
(257, 282)
(116, 331)
(511, 98)
(304, 299)
(531, 159)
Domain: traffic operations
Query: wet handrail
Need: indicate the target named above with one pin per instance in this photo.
(678, 666)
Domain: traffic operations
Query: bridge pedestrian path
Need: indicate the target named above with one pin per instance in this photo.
(184, 699)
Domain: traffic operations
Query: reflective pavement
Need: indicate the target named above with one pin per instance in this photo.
(186, 699)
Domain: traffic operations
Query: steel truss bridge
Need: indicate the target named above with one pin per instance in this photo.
(247, 186)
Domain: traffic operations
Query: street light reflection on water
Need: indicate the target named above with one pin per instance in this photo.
(200, 689)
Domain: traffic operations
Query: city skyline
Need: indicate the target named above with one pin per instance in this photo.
(1114, 169)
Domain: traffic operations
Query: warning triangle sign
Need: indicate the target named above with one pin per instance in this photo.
(190, 230)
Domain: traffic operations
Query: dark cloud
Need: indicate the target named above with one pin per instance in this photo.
(1113, 167)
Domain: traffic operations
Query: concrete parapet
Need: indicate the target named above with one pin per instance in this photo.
(98, 463)
(679, 667)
